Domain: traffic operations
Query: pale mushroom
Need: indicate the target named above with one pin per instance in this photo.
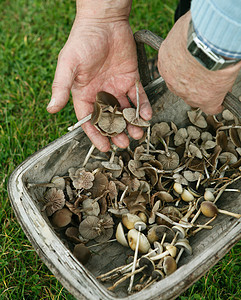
(209, 209)
(132, 237)
(183, 246)
(120, 235)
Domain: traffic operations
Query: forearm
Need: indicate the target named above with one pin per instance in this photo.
(218, 24)
(104, 9)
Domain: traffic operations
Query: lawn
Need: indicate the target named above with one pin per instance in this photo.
(31, 36)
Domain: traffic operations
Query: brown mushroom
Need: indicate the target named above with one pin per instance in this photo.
(82, 253)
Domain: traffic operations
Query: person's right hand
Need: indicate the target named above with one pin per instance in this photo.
(99, 56)
(187, 78)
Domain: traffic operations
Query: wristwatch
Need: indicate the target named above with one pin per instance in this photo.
(204, 55)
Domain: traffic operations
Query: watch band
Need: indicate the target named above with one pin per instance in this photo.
(203, 54)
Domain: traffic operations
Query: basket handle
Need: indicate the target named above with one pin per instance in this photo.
(144, 36)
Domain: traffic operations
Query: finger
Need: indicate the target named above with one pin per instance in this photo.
(145, 107)
(101, 142)
(121, 140)
(135, 132)
(61, 86)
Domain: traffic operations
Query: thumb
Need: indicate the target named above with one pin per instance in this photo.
(63, 81)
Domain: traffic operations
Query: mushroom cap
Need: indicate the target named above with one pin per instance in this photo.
(187, 196)
(170, 162)
(169, 265)
(129, 220)
(140, 226)
(120, 235)
(148, 264)
(172, 250)
(130, 116)
(88, 227)
(105, 99)
(227, 157)
(209, 209)
(157, 275)
(178, 188)
(82, 253)
(72, 234)
(180, 231)
(197, 119)
(185, 245)
(158, 246)
(59, 182)
(61, 218)
(193, 132)
(56, 201)
(134, 167)
(111, 123)
(163, 229)
(208, 195)
(82, 179)
(91, 207)
(144, 244)
(159, 130)
(180, 136)
(95, 116)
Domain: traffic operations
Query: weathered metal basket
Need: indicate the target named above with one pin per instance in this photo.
(69, 151)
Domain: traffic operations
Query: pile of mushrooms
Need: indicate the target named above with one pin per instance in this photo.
(149, 196)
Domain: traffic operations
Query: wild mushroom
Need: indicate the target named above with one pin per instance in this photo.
(156, 275)
(82, 253)
(129, 220)
(169, 265)
(61, 218)
(55, 201)
(139, 226)
(120, 235)
(180, 137)
(132, 237)
(111, 123)
(209, 209)
(197, 119)
(183, 246)
(170, 250)
(82, 179)
(72, 234)
(169, 162)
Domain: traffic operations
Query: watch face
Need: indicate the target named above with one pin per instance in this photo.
(206, 61)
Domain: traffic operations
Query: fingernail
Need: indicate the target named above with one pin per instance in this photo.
(52, 103)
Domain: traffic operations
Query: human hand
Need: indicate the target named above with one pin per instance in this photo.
(99, 56)
(187, 78)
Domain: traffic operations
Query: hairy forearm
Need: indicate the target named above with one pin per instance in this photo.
(104, 9)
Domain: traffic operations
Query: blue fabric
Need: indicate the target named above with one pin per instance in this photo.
(218, 24)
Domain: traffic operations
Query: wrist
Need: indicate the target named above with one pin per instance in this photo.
(108, 10)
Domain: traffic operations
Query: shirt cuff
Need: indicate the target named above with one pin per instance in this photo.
(218, 25)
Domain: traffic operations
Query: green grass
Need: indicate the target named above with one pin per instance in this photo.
(31, 36)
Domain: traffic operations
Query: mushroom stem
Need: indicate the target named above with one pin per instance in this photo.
(148, 139)
(124, 278)
(207, 223)
(88, 154)
(179, 255)
(165, 146)
(79, 123)
(122, 197)
(228, 213)
(140, 226)
(137, 100)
